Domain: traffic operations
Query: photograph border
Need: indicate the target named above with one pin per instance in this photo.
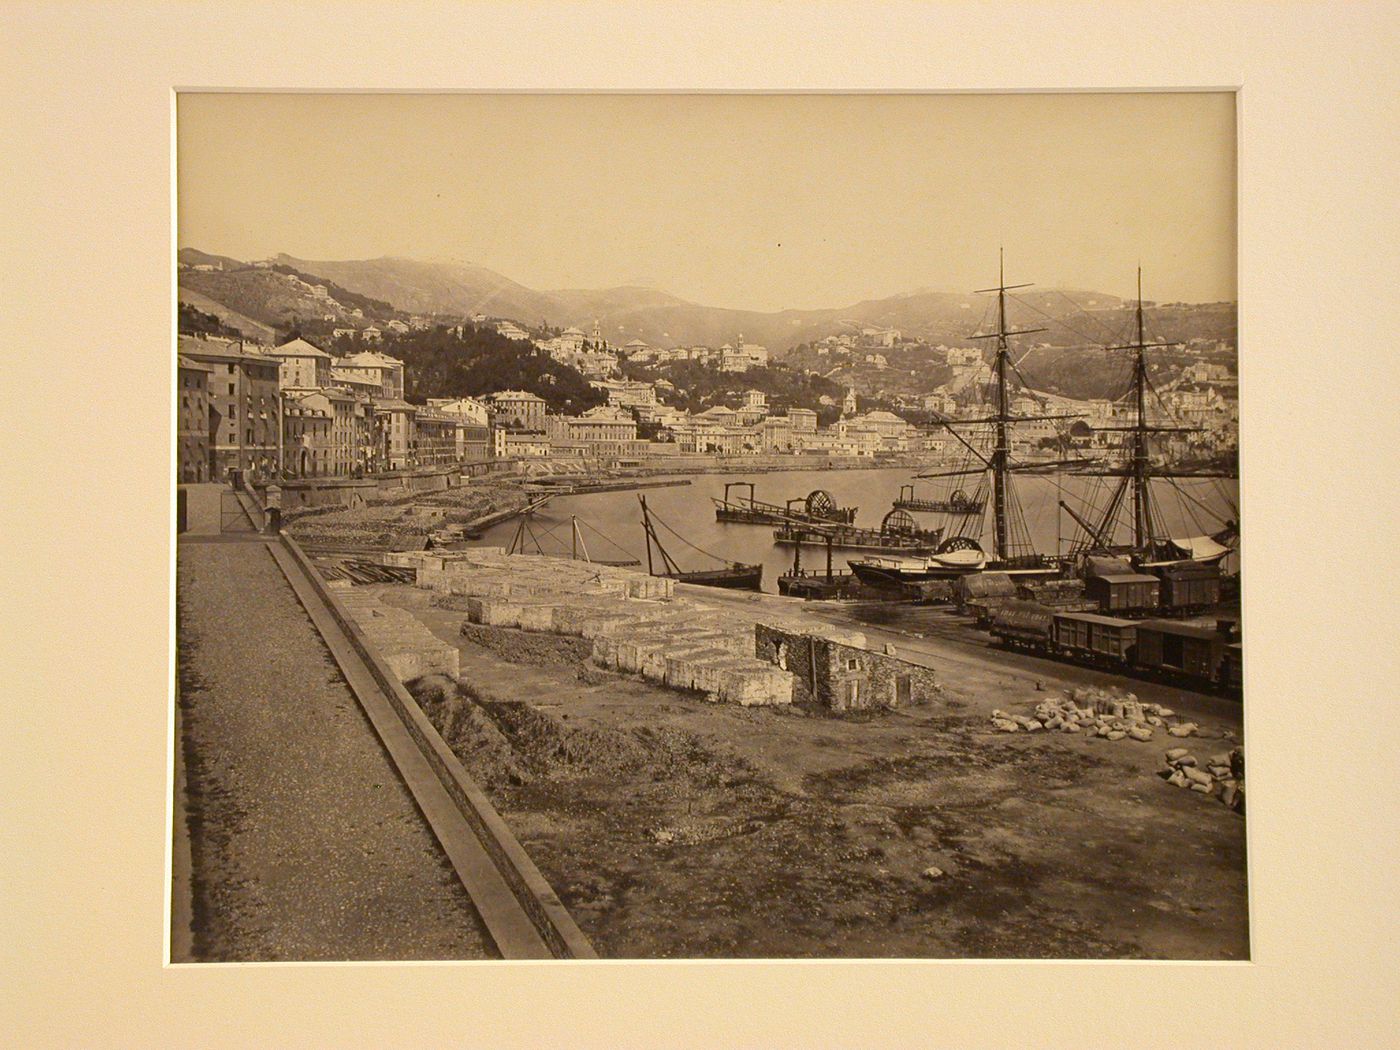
(100, 142)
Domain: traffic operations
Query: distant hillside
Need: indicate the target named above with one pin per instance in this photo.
(1072, 316)
(195, 257)
(231, 319)
(275, 300)
(458, 289)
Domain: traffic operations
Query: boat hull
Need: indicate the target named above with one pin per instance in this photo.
(739, 578)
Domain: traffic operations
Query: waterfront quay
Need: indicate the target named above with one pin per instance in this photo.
(307, 823)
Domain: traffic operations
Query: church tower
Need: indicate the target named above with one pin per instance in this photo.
(848, 407)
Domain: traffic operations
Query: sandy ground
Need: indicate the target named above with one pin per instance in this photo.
(304, 843)
(672, 827)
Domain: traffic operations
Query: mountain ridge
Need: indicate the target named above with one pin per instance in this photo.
(628, 312)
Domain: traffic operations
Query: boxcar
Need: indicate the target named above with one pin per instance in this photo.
(1232, 677)
(1124, 591)
(1181, 648)
(1023, 624)
(1104, 638)
(1189, 585)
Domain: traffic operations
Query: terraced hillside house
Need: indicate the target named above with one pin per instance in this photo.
(192, 411)
(244, 406)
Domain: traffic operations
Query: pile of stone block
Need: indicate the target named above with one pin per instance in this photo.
(405, 645)
(635, 621)
(1221, 776)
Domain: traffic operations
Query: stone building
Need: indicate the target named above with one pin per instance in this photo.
(840, 673)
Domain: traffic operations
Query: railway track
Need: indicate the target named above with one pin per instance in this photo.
(522, 914)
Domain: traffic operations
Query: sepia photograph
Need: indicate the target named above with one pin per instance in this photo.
(707, 526)
(634, 525)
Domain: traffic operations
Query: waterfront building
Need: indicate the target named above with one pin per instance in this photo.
(244, 405)
(775, 434)
(515, 443)
(192, 414)
(434, 440)
(306, 435)
(394, 418)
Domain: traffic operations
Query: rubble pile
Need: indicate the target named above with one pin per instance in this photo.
(1110, 714)
(1222, 776)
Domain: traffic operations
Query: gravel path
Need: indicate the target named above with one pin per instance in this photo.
(305, 843)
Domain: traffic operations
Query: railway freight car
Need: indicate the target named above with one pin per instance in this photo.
(1188, 586)
(1024, 625)
(1124, 592)
(1094, 638)
(1181, 649)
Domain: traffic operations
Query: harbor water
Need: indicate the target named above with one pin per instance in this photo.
(690, 511)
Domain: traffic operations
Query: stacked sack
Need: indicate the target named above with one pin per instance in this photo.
(1222, 777)
(1098, 712)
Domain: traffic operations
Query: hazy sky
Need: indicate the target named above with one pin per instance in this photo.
(752, 201)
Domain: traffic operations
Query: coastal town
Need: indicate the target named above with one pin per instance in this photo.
(333, 404)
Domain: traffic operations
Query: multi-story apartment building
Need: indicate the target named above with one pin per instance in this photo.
(473, 433)
(517, 408)
(306, 436)
(192, 414)
(372, 367)
(303, 365)
(434, 441)
(244, 406)
(394, 419)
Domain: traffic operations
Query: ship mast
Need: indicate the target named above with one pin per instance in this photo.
(1000, 462)
(1137, 472)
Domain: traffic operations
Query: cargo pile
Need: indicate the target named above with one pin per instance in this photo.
(1222, 777)
(1110, 714)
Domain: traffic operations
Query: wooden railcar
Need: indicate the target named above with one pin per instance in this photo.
(1099, 639)
(1181, 649)
(1124, 592)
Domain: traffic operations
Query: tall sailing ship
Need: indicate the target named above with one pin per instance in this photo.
(1007, 546)
(1132, 505)
(966, 546)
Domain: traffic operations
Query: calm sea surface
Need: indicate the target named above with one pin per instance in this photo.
(689, 510)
